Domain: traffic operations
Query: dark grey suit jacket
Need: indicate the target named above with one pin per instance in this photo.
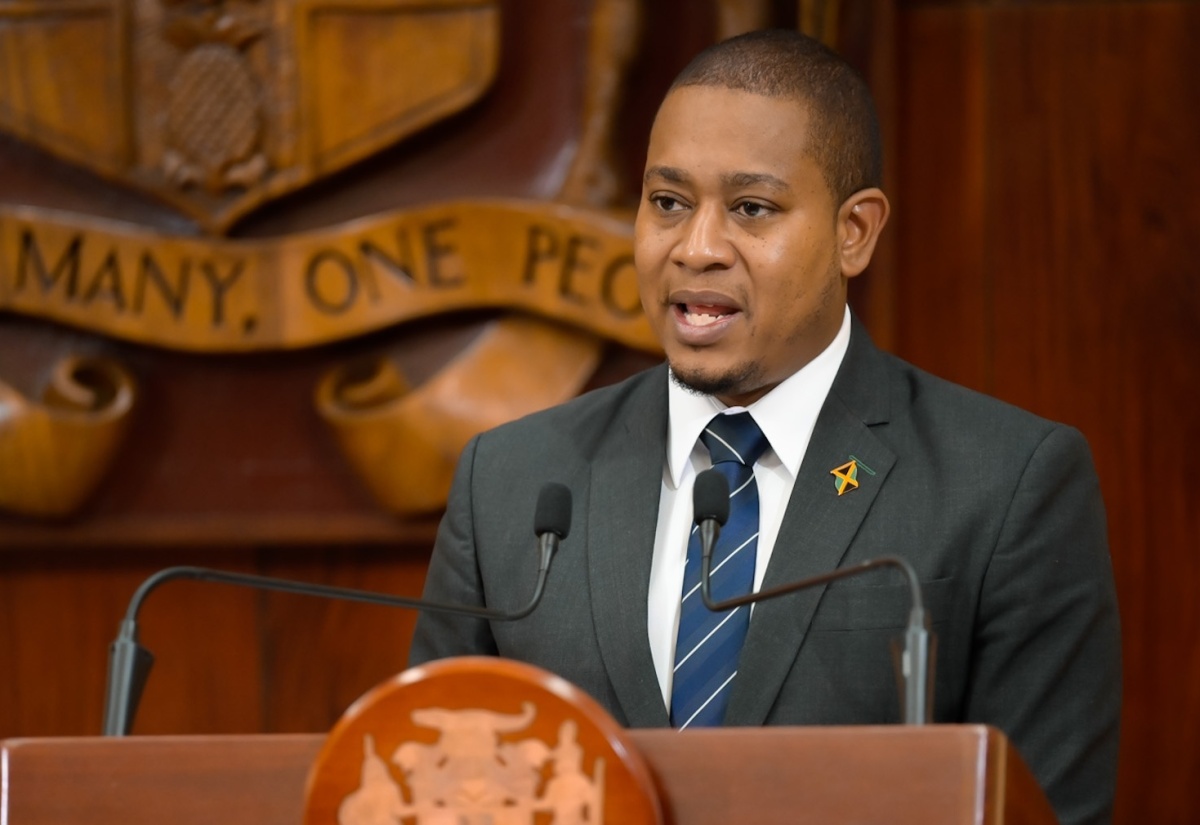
(999, 512)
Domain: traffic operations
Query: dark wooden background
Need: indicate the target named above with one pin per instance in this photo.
(1045, 248)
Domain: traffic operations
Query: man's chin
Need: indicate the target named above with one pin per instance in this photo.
(720, 384)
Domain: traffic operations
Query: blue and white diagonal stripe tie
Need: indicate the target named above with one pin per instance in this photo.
(708, 644)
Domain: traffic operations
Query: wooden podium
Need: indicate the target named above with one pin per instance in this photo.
(923, 775)
(947, 774)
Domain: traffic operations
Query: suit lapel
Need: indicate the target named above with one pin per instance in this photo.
(626, 482)
(818, 527)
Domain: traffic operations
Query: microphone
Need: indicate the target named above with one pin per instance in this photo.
(710, 508)
(710, 497)
(129, 663)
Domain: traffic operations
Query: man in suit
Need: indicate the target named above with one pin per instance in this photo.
(761, 200)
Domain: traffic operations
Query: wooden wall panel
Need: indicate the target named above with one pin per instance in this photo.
(1060, 184)
(1109, 335)
(938, 206)
(320, 656)
(227, 659)
(52, 661)
(207, 674)
(61, 609)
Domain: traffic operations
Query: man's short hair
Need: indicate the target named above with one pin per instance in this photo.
(843, 135)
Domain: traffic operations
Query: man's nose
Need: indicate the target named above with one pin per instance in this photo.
(705, 242)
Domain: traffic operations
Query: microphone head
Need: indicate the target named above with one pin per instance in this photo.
(553, 514)
(710, 497)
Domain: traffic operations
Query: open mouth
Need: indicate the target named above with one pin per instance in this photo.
(703, 315)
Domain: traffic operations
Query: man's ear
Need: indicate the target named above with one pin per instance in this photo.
(860, 220)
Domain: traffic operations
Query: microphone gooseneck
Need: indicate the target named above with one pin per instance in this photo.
(916, 659)
(130, 663)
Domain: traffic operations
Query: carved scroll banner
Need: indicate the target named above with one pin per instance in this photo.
(479, 740)
(216, 295)
(571, 266)
(53, 454)
(218, 107)
(404, 443)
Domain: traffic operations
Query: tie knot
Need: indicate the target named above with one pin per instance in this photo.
(734, 438)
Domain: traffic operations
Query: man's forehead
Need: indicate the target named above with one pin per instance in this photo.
(730, 137)
(709, 115)
(702, 96)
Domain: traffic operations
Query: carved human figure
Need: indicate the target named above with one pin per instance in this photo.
(377, 800)
(570, 795)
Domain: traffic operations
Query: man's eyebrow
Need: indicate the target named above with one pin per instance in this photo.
(740, 180)
(667, 173)
(732, 180)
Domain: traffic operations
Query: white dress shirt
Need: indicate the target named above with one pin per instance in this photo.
(787, 416)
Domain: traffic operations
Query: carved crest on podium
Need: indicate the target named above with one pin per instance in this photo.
(471, 774)
(479, 741)
(218, 105)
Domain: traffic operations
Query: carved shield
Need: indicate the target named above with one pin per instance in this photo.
(218, 105)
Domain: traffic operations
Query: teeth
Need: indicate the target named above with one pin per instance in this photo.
(698, 319)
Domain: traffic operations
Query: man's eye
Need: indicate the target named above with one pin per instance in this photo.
(751, 209)
(666, 203)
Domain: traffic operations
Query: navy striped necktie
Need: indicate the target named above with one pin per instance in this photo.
(708, 644)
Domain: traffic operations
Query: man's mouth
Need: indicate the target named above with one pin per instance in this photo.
(703, 315)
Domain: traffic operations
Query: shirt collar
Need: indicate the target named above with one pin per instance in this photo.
(787, 414)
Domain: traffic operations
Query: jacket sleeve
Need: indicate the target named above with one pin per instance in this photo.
(454, 578)
(1046, 660)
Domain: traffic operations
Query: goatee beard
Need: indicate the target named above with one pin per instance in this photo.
(724, 385)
